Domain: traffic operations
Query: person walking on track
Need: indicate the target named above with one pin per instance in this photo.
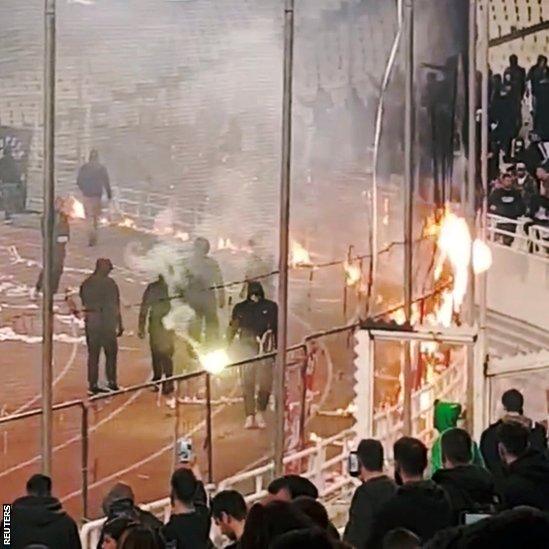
(93, 179)
(254, 325)
(101, 301)
(155, 305)
(61, 238)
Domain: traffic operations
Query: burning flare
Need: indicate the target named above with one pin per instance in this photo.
(74, 208)
(299, 256)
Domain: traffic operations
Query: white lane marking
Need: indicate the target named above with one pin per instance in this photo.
(75, 438)
(147, 459)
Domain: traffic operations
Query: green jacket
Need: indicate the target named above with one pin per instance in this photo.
(446, 417)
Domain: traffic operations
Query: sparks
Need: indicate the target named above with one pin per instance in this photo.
(299, 255)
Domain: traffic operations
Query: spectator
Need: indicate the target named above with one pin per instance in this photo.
(308, 538)
(526, 184)
(189, 524)
(520, 527)
(539, 80)
(505, 114)
(513, 404)
(120, 503)
(140, 537)
(313, 509)
(267, 522)
(376, 489)
(526, 478)
(38, 518)
(10, 182)
(469, 487)
(418, 505)
(289, 487)
(506, 201)
(229, 513)
(517, 77)
(400, 538)
(113, 530)
(447, 415)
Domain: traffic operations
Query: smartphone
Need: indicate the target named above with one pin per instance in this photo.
(185, 450)
(471, 518)
(353, 464)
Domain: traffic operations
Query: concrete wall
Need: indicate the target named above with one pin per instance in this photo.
(518, 286)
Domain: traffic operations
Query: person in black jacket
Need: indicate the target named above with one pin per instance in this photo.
(61, 235)
(370, 496)
(506, 201)
(517, 77)
(229, 513)
(526, 474)
(469, 487)
(93, 180)
(101, 301)
(513, 404)
(189, 524)
(254, 321)
(38, 518)
(418, 505)
(118, 505)
(156, 305)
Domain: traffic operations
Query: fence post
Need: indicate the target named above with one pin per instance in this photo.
(85, 452)
(177, 417)
(209, 438)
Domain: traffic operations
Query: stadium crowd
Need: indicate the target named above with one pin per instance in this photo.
(519, 167)
(498, 497)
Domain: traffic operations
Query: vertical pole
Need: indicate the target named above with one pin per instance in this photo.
(84, 434)
(280, 369)
(177, 420)
(209, 435)
(47, 242)
(480, 406)
(408, 205)
(471, 195)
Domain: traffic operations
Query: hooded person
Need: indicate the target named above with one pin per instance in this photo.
(447, 415)
(118, 504)
(39, 518)
(513, 406)
(254, 327)
(470, 487)
(93, 181)
(101, 302)
(155, 306)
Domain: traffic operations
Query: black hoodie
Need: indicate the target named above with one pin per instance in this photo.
(42, 520)
(526, 482)
(422, 507)
(469, 488)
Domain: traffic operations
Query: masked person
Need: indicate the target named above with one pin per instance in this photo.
(254, 324)
(101, 301)
(93, 179)
(61, 236)
(204, 285)
(156, 305)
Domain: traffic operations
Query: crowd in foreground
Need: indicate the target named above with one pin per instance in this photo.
(495, 494)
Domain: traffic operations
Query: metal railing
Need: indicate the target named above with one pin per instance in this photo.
(324, 464)
(521, 235)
